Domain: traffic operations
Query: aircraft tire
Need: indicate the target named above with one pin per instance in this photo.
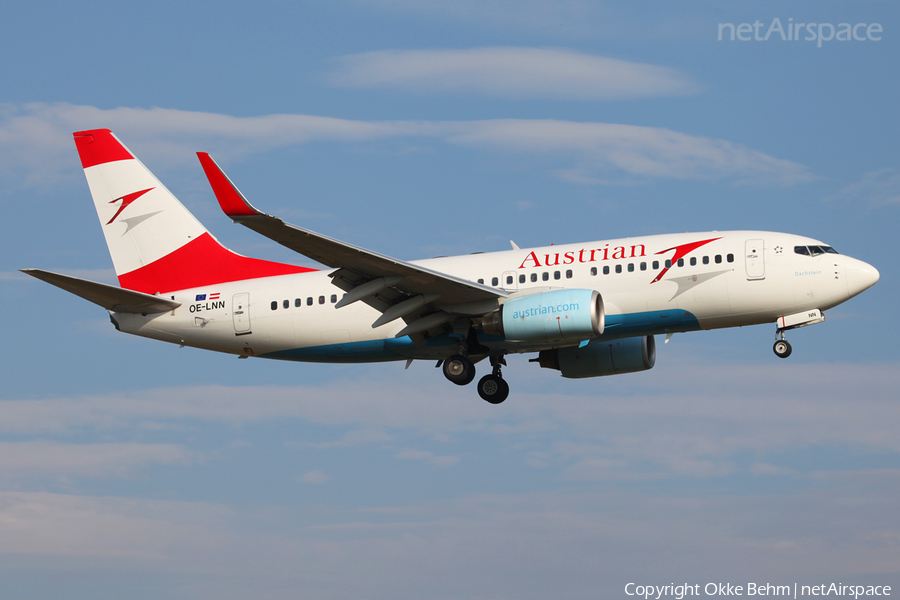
(459, 369)
(782, 349)
(492, 388)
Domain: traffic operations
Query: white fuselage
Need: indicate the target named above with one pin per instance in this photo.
(734, 278)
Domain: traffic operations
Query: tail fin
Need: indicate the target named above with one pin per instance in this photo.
(156, 244)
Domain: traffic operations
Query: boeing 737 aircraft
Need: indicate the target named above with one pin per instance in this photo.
(586, 309)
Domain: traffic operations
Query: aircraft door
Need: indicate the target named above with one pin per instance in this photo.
(240, 312)
(754, 252)
(509, 281)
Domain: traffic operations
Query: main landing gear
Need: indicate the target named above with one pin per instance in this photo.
(461, 371)
(493, 388)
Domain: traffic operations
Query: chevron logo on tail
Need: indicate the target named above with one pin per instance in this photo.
(126, 201)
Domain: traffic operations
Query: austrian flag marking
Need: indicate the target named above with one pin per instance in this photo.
(202, 297)
(204, 302)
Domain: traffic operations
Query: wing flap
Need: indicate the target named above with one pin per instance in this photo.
(109, 297)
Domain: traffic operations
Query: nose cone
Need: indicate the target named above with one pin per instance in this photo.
(860, 276)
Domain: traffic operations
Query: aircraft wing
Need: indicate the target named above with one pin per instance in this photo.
(109, 297)
(363, 274)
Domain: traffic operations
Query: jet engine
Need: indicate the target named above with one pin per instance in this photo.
(558, 316)
(627, 355)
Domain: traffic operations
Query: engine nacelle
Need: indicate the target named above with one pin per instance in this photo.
(627, 355)
(559, 316)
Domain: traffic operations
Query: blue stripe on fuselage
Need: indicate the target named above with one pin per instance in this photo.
(617, 326)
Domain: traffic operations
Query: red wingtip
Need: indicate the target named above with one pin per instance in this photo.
(99, 146)
(230, 198)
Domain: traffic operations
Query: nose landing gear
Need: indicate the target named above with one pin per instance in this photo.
(782, 347)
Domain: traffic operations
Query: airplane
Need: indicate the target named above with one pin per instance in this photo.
(586, 309)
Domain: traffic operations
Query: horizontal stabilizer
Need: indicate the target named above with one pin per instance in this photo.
(109, 297)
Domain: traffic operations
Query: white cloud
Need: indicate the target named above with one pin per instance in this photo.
(525, 545)
(761, 468)
(13, 276)
(351, 438)
(54, 460)
(552, 73)
(561, 17)
(633, 150)
(68, 525)
(874, 189)
(424, 455)
(315, 477)
(664, 428)
(677, 419)
(36, 147)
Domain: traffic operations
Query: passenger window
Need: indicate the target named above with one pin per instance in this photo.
(334, 298)
(656, 265)
(643, 266)
(509, 280)
(495, 282)
(297, 302)
(533, 277)
(287, 303)
(680, 262)
(556, 275)
(718, 258)
(730, 258)
(668, 264)
(321, 299)
(631, 267)
(309, 301)
(481, 281)
(568, 273)
(693, 261)
(594, 271)
(618, 268)
(522, 278)
(545, 276)
(606, 270)
(705, 260)
(274, 304)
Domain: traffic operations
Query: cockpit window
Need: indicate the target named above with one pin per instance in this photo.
(814, 250)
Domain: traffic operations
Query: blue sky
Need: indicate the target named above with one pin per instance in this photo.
(134, 468)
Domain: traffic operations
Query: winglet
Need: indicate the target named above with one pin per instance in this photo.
(232, 201)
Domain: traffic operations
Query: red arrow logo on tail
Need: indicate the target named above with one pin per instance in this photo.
(126, 200)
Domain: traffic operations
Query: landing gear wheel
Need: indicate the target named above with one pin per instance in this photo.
(493, 389)
(459, 370)
(782, 349)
